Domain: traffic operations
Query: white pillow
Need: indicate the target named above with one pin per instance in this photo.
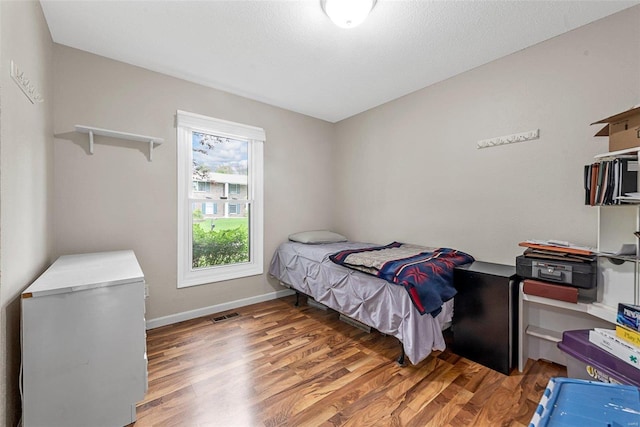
(317, 236)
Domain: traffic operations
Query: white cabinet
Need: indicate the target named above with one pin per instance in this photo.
(83, 342)
(542, 320)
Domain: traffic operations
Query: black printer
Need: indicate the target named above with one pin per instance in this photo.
(559, 269)
(579, 274)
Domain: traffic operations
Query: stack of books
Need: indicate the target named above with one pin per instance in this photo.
(624, 341)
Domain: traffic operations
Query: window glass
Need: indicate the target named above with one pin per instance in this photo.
(220, 160)
(215, 165)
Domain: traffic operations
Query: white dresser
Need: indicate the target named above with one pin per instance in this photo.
(84, 357)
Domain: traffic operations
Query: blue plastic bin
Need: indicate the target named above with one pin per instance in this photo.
(571, 402)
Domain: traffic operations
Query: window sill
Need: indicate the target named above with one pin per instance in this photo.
(219, 274)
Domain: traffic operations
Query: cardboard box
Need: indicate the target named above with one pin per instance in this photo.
(623, 129)
(632, 337)
(628, 316)
(606, 339)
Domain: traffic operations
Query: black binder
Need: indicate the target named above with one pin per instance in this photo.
(587, 184)
(628, 176)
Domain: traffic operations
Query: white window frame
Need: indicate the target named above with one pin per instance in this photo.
(186, 124)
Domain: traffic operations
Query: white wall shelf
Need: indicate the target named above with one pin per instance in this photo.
(151, 140)
(626, 151)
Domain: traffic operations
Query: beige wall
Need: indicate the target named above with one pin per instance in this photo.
(409, 170)
(117, 199)
(26, 160)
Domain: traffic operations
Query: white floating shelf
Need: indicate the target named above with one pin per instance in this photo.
(152, 140)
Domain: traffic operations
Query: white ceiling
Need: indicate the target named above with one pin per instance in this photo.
(289, 54)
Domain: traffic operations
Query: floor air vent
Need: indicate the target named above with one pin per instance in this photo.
(224, 317)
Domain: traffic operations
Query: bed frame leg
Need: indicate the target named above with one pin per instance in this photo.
(400, 360)
(297, 304)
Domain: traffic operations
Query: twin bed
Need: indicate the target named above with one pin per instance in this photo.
(392, 305)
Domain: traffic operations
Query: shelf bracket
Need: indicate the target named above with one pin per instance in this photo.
(90, 142)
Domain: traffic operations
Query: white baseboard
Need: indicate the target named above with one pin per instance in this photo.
(205, 311)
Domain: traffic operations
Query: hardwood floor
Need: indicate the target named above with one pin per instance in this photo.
(275, 364)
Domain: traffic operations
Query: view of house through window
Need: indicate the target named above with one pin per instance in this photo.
(220, 207)
(220, 199)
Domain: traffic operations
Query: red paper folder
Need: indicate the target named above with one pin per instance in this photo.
(549, 290)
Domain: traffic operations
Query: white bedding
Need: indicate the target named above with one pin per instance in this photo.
(365, 298)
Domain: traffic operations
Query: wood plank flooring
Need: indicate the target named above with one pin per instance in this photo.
(279, 365)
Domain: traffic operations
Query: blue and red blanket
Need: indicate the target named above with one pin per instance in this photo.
(426, 273)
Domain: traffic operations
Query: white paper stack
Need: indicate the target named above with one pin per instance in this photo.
(607, 340)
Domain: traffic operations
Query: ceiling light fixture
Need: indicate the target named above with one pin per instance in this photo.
(347, 13)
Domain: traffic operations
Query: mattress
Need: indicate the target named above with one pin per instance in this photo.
(360, 296)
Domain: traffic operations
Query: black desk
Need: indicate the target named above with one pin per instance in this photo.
(485, 315)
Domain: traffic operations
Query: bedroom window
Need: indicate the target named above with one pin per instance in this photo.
(214, 154)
